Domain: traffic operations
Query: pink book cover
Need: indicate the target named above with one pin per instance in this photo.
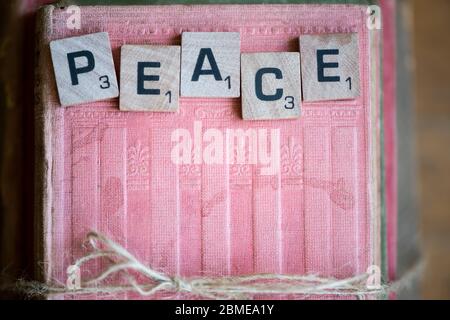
(110, 171)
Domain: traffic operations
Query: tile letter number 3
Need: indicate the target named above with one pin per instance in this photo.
(84, 69)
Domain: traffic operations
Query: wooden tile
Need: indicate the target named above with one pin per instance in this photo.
(270, 85)
(150, 78)
(84, 69)
(210, 64)
(330, 66)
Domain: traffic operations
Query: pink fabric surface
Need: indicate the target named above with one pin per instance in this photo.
(111, 171)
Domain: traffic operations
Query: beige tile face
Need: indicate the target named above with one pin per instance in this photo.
(210, 64)
(84, 69)
(270, 85)
(330, 67)
(150, 78)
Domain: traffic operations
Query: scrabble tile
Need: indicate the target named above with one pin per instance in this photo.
(150, 78)
(84, 69)
(210, 64)
(270, 85)
(330, 66)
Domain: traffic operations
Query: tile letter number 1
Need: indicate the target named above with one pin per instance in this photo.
(210, 64)
(330, 66)
(150, 78)
(84, 69)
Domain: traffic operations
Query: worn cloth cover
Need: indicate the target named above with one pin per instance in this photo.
(110, 171)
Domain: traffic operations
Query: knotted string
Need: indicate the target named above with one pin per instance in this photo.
(227, 287)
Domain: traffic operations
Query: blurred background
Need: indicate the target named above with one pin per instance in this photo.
(432, 131)
(423, 129)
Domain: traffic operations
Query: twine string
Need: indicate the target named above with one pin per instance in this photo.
(227, 287)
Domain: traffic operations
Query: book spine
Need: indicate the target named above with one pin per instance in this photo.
(43, 142)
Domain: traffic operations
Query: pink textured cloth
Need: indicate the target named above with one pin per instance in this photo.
(111, 171)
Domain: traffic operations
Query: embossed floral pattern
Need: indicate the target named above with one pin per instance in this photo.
(138, 157)
(291, 158)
